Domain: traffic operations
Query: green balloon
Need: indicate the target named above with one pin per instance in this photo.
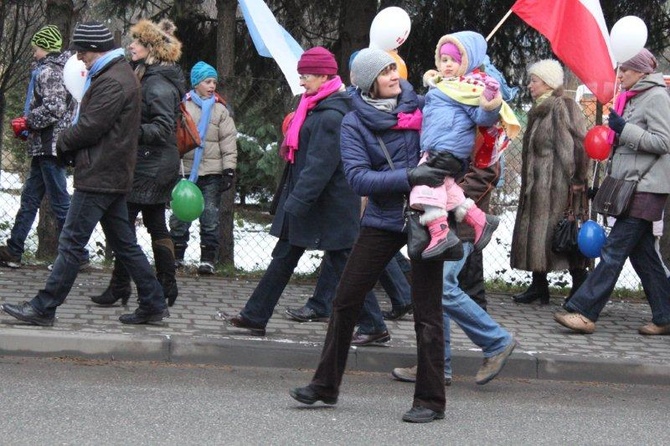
(187, 201)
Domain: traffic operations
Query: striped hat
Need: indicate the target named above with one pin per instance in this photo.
(92, 36)
(48, 38)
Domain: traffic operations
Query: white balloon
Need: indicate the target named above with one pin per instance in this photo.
(74, 77)
(390, 28)
(628, 37)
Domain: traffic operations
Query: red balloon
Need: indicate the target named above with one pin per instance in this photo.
(596, 144)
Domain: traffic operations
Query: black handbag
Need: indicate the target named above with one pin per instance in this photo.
(564, 237)
(614, 195)
(418, 236)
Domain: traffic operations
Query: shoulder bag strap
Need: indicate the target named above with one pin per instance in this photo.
(386, 152)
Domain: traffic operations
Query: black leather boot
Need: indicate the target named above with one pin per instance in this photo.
(538, 289)
(207, 260)
(119, 287)
(165, 269)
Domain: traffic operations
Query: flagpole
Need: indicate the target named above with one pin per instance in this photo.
(500, 23)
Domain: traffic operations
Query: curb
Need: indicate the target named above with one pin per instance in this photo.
(303, 355)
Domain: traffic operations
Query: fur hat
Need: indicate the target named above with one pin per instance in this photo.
(367, 65)
(317, 60)
(159, 39)
(550, 71)
(92, 36)
(48, 38)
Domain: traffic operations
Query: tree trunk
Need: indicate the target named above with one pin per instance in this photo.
(59, 13)
(225, 57)
(356, 16)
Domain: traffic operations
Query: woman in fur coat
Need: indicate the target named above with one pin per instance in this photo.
(554, 161)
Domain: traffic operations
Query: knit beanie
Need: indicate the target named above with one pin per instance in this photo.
(549, 70)
(317, 60)
(642, 62)
(367, 65)
(159, 39)
(92, 36)
(450, 49)
(48, 38)
(202, 71)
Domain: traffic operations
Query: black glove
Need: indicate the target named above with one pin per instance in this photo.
(445, 161)
(591, 193)
(227, 180)
(65, 159)
(616, 122)
(425, 175)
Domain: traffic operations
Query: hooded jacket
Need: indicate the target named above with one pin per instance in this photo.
(365, 163)
(51, 107)
(646, 137)
(449, 125)
(317, 209)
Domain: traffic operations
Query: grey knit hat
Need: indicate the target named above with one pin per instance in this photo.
(92, 36)
(367, 65)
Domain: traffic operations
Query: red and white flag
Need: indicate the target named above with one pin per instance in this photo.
(578, 35)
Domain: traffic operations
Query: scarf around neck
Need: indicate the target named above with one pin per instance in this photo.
(98, 65)
(206, 106)
(307, 103)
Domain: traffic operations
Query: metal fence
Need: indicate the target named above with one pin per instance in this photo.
(253, 244)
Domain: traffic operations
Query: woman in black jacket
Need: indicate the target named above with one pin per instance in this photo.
(155, 51)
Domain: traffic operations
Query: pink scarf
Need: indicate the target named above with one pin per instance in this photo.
(307, 103)
(409, 121)
(619, 105)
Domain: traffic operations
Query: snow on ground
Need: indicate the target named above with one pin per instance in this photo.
(253, 244)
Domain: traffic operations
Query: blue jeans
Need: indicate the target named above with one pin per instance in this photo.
(210, 185)
(46, 176)
(476, 323)
(631, 238)
(370, 320)
(285, 257)
(86, 210)
(395, 283)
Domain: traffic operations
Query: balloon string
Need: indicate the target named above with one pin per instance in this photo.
(181, 168)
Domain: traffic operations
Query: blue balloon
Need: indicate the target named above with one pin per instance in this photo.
(591, 239)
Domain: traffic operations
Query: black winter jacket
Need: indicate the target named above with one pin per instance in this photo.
(104, 139)
(317, 208)
(157, 169)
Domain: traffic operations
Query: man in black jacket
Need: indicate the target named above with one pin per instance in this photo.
(102, 145)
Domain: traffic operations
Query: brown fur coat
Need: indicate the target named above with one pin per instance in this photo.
(553, 160)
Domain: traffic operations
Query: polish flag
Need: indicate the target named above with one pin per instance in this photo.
(578, 35)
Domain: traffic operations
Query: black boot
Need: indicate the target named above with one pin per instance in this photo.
(578, 278)
(165, 269)
(538, 289)
(179, 251)
(207, 259)
(119, 287)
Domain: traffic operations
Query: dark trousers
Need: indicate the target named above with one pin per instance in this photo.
(370, 254)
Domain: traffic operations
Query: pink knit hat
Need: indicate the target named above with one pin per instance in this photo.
(642, 62)
(317, 60)
(450, 49)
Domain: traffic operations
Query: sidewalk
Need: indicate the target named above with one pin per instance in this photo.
(194, 334)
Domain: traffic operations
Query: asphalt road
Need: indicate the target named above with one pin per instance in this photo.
(73, 402)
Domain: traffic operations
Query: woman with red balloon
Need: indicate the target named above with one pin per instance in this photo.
(554, 162)
(640, 131)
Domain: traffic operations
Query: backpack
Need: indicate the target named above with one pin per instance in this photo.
(188, 137)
